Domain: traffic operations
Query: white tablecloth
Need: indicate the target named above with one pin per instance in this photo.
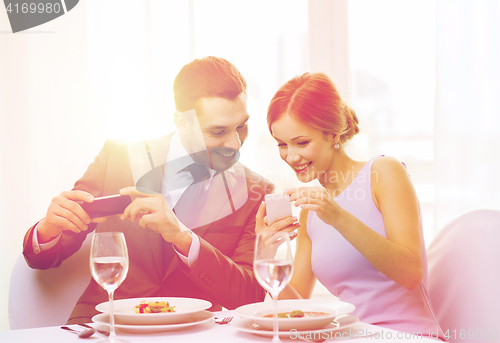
(207, 333)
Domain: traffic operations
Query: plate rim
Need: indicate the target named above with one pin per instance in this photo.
(287, 333)
(207, 304)
(153, 327)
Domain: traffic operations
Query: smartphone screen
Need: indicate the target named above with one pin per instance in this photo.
(278, 207)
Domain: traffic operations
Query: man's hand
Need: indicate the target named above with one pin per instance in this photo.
(153, 212)
(65, 213)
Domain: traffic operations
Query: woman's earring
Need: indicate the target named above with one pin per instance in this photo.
(337, 146)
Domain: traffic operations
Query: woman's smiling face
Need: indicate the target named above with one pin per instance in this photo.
(308, 151)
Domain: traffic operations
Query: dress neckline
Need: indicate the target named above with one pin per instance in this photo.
(367, 163)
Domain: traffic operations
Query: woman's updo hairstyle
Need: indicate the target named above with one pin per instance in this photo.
(313, 100)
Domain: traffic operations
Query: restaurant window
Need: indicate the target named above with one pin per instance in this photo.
(267, 42)
(392, 56)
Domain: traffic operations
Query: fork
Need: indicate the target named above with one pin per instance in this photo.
(225, 320)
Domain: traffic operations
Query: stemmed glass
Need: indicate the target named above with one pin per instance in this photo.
(273, 267)
(109, 267)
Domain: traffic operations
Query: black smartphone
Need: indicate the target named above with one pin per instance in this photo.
(107, 205)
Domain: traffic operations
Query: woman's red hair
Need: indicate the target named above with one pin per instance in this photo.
(313, 100)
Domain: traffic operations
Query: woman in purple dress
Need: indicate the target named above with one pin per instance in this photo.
(360, 232)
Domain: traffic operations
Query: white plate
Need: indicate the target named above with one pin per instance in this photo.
(124, 310)
(345, 322)
(194, 319)
(256, 312)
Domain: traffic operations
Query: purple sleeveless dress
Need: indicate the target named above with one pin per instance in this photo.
(349, 276)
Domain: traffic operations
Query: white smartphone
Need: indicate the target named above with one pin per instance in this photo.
(278, 207)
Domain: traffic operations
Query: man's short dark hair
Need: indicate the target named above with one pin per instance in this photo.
(206, 78)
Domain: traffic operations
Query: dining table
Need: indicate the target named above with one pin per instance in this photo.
(209, 332)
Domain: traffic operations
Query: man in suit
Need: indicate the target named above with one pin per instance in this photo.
(203, 249)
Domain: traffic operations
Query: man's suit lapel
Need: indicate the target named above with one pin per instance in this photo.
(151, 153)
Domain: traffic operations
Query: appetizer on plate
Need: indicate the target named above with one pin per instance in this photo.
(154, 307)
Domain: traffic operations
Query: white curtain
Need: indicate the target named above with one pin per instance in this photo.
(467, 120)
(104, 70)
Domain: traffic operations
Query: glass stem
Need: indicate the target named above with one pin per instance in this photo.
(112, 333)
(276, 336)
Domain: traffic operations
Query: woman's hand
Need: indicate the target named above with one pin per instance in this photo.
(317, 199)
(288, 224)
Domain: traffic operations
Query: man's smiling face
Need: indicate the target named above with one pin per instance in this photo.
(223, 125)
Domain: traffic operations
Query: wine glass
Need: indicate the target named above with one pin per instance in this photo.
(273, 267)
(109, 267)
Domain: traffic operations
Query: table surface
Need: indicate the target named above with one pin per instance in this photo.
(206, 332)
